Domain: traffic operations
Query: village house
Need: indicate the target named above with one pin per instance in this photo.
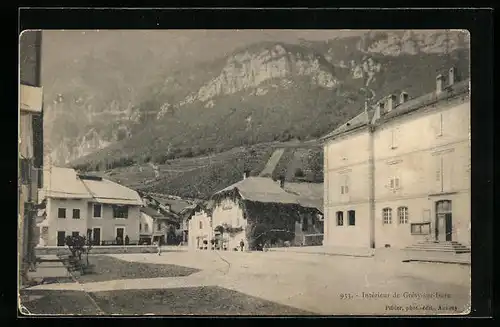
(156, 226)
(90, 206)
(176, 208)
(407, 181)
(200, 225)
(30, 146)
(257, 211)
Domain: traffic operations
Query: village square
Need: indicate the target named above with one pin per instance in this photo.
(370, 217)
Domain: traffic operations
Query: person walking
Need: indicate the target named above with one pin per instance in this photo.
(158, 245)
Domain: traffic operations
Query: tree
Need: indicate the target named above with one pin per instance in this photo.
(79, 245)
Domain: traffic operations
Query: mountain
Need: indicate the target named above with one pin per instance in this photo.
(119, 109)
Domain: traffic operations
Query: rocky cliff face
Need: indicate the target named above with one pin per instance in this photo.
(105, 106)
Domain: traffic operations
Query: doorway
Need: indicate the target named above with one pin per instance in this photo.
(444, 221)
(61, 238)
(96, 231)
(120, 234)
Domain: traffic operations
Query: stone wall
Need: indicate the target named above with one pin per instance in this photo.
(57, 250)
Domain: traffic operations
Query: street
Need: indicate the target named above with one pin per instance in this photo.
(325, 285)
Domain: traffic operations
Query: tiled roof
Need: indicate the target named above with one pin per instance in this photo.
(261, 189)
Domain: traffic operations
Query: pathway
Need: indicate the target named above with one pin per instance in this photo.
(272, 162)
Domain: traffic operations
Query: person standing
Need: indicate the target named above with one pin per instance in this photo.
(242, 245)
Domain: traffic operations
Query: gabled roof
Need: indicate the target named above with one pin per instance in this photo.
(65, 183)
(156, 215)
(176, 205)
(261, 189)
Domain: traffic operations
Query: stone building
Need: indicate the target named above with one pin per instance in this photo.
(399, 173)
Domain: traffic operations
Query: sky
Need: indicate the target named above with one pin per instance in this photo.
(177, 46)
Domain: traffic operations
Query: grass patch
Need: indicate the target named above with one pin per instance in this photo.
(189, 301)
(109, 268)
(44, 302)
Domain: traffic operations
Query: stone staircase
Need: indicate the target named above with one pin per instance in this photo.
(449, 246)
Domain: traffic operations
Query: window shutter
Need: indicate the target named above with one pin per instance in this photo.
(391, 183)
(396, 182)
(25, 171)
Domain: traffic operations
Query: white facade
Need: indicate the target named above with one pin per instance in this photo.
(394, 174)
(95, 208)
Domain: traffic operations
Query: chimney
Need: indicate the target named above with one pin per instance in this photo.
(391, 101)
(403, 97)
(439, 84)
(451, 76)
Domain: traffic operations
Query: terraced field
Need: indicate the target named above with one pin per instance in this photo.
(199, 177)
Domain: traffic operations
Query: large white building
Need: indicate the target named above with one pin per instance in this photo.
(399, 173)
(89, 206)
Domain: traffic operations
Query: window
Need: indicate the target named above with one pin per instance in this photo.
(201, 225)
(340, 218)
(146, 228)
(351, 216)
(74, 234)
(394, 144)
(344, 187)
(394, 183)
(61, 213)
(440, 126)
(120, 212)
(97, 210)
(387, 215)
(76, 213)
(403, 215)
